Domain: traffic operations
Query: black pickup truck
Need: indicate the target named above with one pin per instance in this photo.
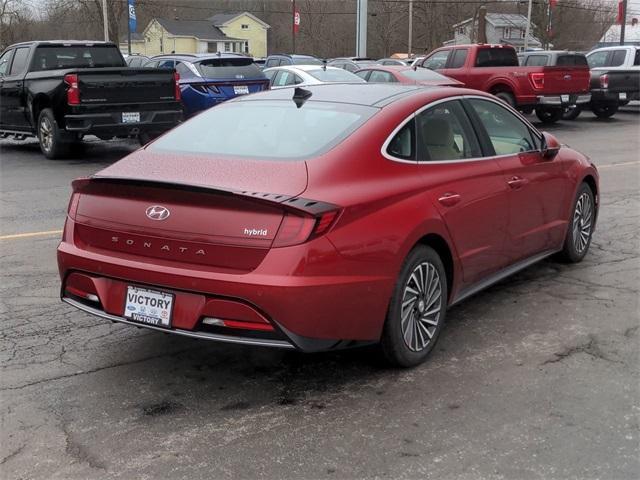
(60, 91)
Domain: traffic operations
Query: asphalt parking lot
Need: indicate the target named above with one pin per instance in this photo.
(537, 377)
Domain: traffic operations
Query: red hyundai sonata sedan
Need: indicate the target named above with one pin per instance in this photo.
(323, 218)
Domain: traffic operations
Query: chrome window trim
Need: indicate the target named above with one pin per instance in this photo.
(518, 115)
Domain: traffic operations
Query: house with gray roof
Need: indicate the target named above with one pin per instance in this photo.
(502, 28)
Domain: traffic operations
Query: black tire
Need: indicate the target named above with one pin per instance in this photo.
(571, 113)
(623, 103)
(52, 139)
(507, 98)
(527, 110)
(548, 115)
(575, 249)
(146, 137)
(605, 110)
(396, 347)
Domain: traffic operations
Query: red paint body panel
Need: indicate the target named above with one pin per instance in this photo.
(338, 285)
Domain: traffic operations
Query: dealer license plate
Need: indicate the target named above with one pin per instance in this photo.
(623, 96)
(240, 89)
(148, 306)
(130, 117)
(564, 98)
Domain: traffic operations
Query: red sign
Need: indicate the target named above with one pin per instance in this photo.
(296, 20)
(620, 19)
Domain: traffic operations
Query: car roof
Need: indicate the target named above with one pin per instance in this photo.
(293, 55)
(191, 57)
(367, 94)
(63, 43)
(303, 68)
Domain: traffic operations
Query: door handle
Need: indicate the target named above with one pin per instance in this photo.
(449, 199)
(516, 182)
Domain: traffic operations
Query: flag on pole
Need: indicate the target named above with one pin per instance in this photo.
(132, 16)
(620, 19)
(553, 3)
(296, 20)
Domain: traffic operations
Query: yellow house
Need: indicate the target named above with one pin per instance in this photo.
(240, 33)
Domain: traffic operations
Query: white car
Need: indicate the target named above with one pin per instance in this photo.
(302, 75)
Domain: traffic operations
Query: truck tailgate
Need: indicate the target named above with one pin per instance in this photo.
(566, 79)
(125, 85)
(619, 81)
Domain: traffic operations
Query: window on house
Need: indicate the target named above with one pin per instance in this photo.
(244, 27)
(522, 33)
(227, 46)
(506, 33)
(461, 31)
(246, 47)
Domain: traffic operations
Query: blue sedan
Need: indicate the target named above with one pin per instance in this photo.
(208, 79)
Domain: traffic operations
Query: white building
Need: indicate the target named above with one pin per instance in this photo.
(504, 28)
(631, 34)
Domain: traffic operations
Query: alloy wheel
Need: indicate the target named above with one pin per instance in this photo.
(46, 133)
(421, 306)
(582, 220)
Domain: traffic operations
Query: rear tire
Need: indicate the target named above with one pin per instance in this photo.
(571, 113)
(606, 110)
(548, 115)
(507, 98)
(581, 223)
(50, 136)
(417, 310)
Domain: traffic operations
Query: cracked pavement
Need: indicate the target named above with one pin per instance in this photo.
(536, 377)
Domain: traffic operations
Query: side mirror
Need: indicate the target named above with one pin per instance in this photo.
(550, 146)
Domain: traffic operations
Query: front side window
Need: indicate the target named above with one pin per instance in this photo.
(508, 134)
(378, 76)
(437, 61)
(445, 133)
(5, 60)
(403, 143)
(271, 129)
(597, 59)
(19, 61)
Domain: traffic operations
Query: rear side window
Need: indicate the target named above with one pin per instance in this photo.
(617, 58)
(403, 144)
(497, 57)
(271, 129)
(536, 60)
(19, 61)
(572, 60)
(52, 58)
(459, 57)
(229, 68)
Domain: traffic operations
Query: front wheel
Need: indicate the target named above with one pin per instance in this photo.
(581, 223)
(548, 115)
(605, 110)
(417, 310)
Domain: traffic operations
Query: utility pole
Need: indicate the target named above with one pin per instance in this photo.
(528, 29)
(361, 29)
(105, 20)
(409, 48)
(623, 20)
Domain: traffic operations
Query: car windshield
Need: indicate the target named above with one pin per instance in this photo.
(51, 57)
(229, 68)
(266, 129)
(424, 74)
(334, 75)
(306, 61)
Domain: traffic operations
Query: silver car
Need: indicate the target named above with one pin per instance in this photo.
(302, 75)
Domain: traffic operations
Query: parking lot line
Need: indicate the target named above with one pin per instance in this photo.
(623, 164)
(32, 234)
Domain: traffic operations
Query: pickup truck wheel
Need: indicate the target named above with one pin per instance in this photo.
(548, 115)
(606, 110)
(571, 113)
(50, 136)
(507, 98)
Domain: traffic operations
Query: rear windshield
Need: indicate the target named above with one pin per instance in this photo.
(266, 129)
(77, 56)
(229, 68)
(572, 60)
(334, 75)
(422, 74)
(497, 57)
(306, 61)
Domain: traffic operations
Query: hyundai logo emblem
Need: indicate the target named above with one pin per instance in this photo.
(157, 212)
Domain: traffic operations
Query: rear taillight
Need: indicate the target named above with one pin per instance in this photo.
(77, 185)
(205, 88)
(176, 81)
(73, 92)
(604, 81)
(537, 80)
(299, 228)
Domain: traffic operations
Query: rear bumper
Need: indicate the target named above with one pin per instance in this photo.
(309, 311)
(111, 122)
(607, 96)
(564, 100)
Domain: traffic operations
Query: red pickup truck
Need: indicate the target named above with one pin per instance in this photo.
(495, 69)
